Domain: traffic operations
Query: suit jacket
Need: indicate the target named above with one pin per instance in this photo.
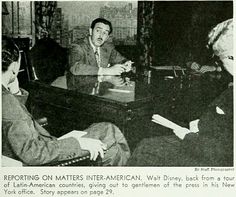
(212, 146)
(214, 143)
(82, 60)
(24, 139)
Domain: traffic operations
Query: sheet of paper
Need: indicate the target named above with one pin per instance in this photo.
(9, 162)
(74, 133)
(165, 122)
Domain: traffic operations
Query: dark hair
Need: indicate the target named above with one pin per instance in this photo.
(101, 20)
(10, 53)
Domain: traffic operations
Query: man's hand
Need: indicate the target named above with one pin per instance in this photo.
(117, 69)
(14, 87)
(193, 126)
(115, 80)
(128, 66)
(94, 146)
(180, 133)
(206, 68)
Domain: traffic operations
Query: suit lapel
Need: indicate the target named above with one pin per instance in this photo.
(104, 55)
(90, 54)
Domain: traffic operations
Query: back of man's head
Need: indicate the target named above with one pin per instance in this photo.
(101, 20)
(221, 38)
(10, 53)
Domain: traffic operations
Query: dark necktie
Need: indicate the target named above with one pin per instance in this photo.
(97, 57)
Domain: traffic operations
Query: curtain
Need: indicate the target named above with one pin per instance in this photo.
(145, 33)
(44, 11)
(17, 19)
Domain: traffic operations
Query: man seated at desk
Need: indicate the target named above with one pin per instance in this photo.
(94, 55)
(25, 140)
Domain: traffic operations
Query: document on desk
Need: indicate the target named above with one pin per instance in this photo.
(74, 133)
(165, 122)
(168, 68)
(124, 89)
(119, 90)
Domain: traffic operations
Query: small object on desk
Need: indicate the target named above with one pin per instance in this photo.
(168, 77)
(168, 68)
(119, 90)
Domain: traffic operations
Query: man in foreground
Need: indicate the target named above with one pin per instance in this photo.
(25, 140)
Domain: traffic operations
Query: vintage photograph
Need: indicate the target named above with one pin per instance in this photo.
(117, 83)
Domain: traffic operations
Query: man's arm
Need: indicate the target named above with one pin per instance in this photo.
(78, 62)
(116, 57)
(215, 138)
(35, 149)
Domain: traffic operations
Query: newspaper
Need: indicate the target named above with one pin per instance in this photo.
(159, 31)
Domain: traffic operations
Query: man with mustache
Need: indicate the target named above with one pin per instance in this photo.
(94, 55)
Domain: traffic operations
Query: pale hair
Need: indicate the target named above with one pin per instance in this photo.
(221, 39)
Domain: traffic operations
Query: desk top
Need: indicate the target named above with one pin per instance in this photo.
(131, 89)
(189, 90)
(183, 97)
(115, 88)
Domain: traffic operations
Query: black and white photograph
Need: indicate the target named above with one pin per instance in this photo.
(139, 83)
(131, 84)
(117, 98)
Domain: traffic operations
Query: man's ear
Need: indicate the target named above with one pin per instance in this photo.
(14, 67)
(11, 67)
(90, 31)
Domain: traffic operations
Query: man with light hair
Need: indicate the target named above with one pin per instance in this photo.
(209, 140)
(221, 41)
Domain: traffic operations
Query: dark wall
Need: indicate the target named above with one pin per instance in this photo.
(181, 28)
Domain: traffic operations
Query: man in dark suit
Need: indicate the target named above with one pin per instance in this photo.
(209, 140)
(95, 55)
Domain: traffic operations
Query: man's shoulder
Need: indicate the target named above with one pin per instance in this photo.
(11, 108)
(109, 45)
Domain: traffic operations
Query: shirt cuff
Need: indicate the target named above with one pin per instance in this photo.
(100, 71)
(100, 75)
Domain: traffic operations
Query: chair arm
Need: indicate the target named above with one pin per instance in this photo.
(79, 161)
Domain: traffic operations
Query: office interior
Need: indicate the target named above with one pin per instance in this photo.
(163, 39)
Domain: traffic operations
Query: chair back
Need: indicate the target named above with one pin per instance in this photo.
(48, 60)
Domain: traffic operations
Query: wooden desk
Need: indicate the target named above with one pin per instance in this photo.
(76, 108)
(76, 103)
